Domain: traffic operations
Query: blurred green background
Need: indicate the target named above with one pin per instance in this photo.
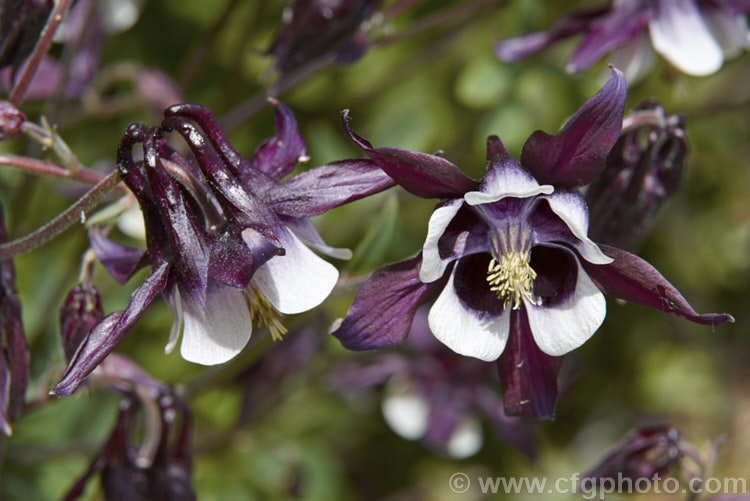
(440, 88)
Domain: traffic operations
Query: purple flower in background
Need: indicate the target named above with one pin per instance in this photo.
(313, 30)
(432, 394)
(149, 461)
(21, 22)
(643, 171)
(693, 35)
(515, 274)
(228, 240)
(644, 453)
(14, 353)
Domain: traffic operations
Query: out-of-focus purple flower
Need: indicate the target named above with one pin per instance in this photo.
(432, 394)
(81, 311)
(643, 454)
(312, 30)
(14, 353)
(643, 171)
(693, 35)
(11, 119)
(223, 234)
(21, 22)
(516, 275)
(155, 466)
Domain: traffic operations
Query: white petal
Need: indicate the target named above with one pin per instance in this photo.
(635, 59)
(297, 281)
(218, 332)
(679, 33)
(565, 326)
(432, 266)
(731, 31)
(131, 223)
(571, 208)
(405, 412)
(466, 440)
(465, 331)
(507, 180)
(175, 306)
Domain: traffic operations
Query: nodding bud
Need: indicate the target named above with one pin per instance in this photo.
(644, 453)
(21, 23)
(643, 171)
(10, 121)
(80, 312)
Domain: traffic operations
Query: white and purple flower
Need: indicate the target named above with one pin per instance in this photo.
(227, 238)
(515, 276)
(694, 36)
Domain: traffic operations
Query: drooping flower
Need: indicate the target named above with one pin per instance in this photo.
(14, 352)
(223, 235)
(434, 395)
(312, 30)
(693, 35)
(643, 171)
(515, 274)
(149, 461)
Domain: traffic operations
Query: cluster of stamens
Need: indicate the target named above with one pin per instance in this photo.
(263, 314)
(512, 279)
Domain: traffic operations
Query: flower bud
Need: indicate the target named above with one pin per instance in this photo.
(80, 312)
(643, 170)
(10, 121)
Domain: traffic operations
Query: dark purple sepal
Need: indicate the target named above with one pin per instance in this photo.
(317, 190)
(423, 175)
(528, 375)
(517, 48)
(120, 261)
(21, 23)
(576, 155)
(384, 307)
(80, 312)
(109, 332)
(277, 155)
(608, 33)
(633, 279)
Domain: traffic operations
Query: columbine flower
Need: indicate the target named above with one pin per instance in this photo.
(14, 353)
(509, 258)
(148, 461)
(693, 35)
(433, 395)
(312, 30)
(643, 171)
(223, 236)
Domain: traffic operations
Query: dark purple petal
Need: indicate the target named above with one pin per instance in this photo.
(576, 155)
(384, 307)
(234, 259)
(317, 190)
(427, 176)
(80, 312)
(633, 279)
(528, 375)
(21, 22)
(277, 155)
(109, 332)
(514, 49)
(607, 33)
(120, 261)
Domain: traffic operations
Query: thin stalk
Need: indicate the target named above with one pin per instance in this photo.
(40, 49)
(49, 169)
(74, 214)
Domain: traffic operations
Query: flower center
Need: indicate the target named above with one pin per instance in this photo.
(512, 279)
(263, 314)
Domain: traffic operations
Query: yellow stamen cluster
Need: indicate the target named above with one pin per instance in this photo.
(263, 314)
(512, 279)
